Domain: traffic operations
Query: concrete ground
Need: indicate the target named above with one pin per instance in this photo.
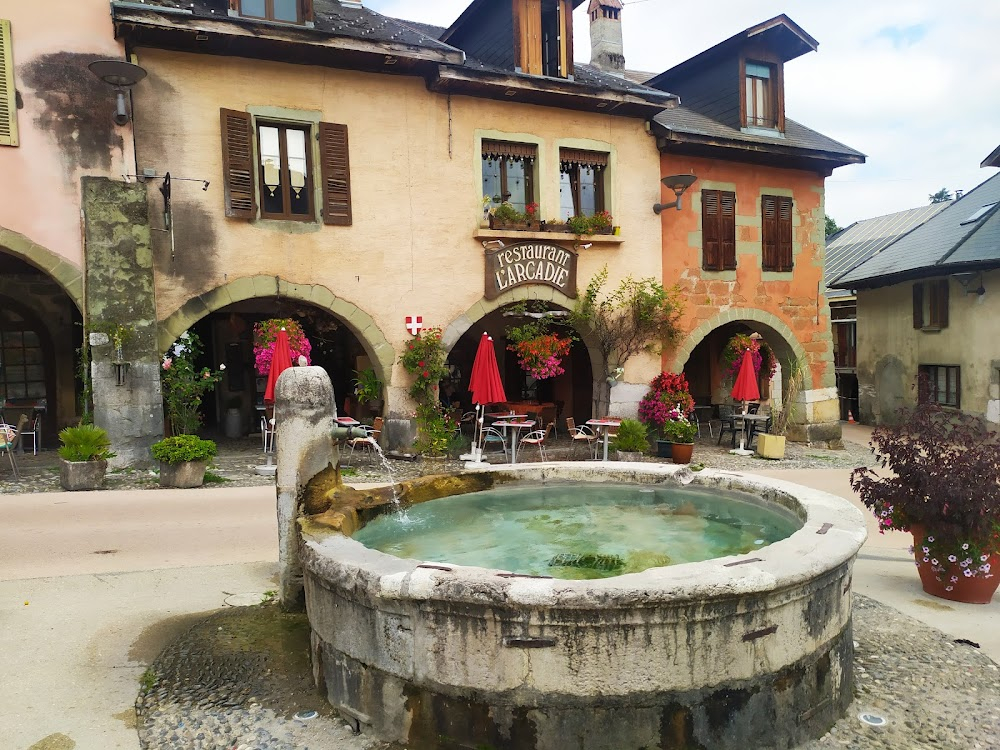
(94, 585)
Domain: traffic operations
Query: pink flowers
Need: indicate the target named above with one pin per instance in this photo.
(167, 362)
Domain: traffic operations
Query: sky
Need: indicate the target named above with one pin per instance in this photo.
(912, 84)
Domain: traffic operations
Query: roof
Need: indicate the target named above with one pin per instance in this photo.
(780, 33)
(474, 9)
(861, 240)
(993, 160)
(948, 242)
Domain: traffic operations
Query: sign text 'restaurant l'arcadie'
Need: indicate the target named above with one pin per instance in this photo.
(530, 263)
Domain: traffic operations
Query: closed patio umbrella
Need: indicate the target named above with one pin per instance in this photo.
(280, 361)
(745, 389)
(484, 384)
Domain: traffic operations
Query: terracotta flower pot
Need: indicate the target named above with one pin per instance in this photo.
(968, 589)
(681, 452)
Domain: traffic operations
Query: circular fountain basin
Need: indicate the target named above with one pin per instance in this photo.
(747, 650)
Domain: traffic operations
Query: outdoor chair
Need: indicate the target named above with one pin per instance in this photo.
(538, 437)
(493, 436)
(34, 434)
(755, 428)
(368, 442)
(753, 407)
(468, 419)
(727, 417)
(10, 438)
(548, 417)
(267, 431)
(582, 434)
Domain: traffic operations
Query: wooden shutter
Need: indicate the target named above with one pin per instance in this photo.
(237, 164)
(918, 305)
(727, 229)
(306, 11)
(8, 96)
(335, 171)
(939, 303)
(769, 232)
(784, 238)
(710, 231)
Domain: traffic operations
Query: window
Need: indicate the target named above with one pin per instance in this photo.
(508, 172)
(761, 109)
(718, 230)
(8, 96)
(940, 384)
(282, 11)
(283, 174)
(543, 37)
(581, 182)
(980, 213)
(776, 232)
(22, 368)
(930, 305)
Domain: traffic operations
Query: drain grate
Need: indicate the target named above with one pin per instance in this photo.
(873, 720)
(306, 715)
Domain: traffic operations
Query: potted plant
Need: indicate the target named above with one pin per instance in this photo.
(83, 453)
(680, 431)
(631, 441)
(771, 444)
(941, 486)
(506, 216)
(368, 389)
(668, 397)
(183, 460)
(184, 384)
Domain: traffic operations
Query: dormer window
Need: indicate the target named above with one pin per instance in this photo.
(543, 36)
(281, 11)
(761, 95)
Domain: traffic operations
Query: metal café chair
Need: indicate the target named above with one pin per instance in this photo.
(538, 437)
(267, 431)
(493, 436)
(581, 434)
(727, 417)
(34, 434)
(10, 438)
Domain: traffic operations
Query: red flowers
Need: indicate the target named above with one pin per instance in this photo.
(541, 357)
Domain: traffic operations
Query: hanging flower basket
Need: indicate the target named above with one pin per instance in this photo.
(760, 354)
(265, 333)
(541, 357)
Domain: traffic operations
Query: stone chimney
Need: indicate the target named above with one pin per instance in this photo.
(606, 49)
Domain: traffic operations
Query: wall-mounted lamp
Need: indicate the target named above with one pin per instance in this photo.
(488, 243)
(966, 278)
(678, 183)
(583, 246)
(122, 75)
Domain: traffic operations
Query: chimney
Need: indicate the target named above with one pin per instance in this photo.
(606, 49)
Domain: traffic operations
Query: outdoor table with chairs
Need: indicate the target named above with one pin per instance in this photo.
(514, 424)
(605, 424)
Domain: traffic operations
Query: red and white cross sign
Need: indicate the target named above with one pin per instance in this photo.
(414, 323)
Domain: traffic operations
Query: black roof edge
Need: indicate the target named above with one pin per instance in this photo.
(836, 158)
(916, 274)
(993, 160)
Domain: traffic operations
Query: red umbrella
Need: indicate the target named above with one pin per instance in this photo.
(745, 389)
(280, 361)
(484, 383)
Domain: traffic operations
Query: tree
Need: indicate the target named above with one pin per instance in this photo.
(941, 196)
(831, 226)
(636, 316)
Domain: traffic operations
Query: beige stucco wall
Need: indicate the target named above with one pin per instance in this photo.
(890, 349)
(416, 190)
(65, 125)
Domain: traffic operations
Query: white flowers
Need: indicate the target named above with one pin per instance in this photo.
(222, 367)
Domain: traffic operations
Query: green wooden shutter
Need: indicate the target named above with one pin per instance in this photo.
(918, 305)
(335, 171)
(710, 231)
(727, 229)
(769, 232)
(237, 164)
(8, 96)
(784, 238)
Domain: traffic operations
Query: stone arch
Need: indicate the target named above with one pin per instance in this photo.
(484, 307)
(67, 275)
(359, 322)
(777, 333)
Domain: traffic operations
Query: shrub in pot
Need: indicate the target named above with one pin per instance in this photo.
(668, 397)
(680, 431)
(631, 441)
(941, 486)
(183, 460)
(772, 443)
(368, 389)
(84, 451)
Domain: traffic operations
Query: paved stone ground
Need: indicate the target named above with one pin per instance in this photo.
(236, 680)
(234, 466)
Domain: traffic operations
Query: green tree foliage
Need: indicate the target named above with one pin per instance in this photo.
(941, 196)
(831, 226)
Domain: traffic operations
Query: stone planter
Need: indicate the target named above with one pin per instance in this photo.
(770, 446)
(184, 475)
(82, 475)
(680, 453)
(629, 456)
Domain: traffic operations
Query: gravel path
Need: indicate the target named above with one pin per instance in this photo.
(236, 680)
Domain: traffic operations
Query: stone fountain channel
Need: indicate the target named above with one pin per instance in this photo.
(747, 651)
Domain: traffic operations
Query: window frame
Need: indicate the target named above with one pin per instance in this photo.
(777, 251)
(933, 298)
(284, 172)
(932, 394)
(776, 94)
(303, 12)
(718, 227)
(529, 170)
(599, 161)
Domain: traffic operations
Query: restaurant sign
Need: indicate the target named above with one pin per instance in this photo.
(530, 263)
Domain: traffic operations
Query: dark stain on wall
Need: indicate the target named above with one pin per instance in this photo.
(78, 107)
(194, 258)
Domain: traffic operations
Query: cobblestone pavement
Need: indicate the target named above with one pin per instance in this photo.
(236, 680)
(235, 463)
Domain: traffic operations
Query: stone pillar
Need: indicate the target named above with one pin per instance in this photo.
(815, 417)
(119, 290)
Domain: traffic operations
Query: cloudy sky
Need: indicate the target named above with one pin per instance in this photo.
(913, 84)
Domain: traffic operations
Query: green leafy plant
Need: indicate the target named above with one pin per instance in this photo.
(437, 430)
(795, 372)
(679, 430)
(424, 358)
(582, 225)
(119, 335)
(180, 448)
(668, 398)
(84, 442)
(631, 437)
(183, 385)
(367, 386)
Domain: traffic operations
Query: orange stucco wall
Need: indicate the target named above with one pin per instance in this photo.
(795, 299)
(65, 127)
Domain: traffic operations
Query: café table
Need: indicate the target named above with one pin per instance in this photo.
(515, 426)
(748, 420)
(606, 425)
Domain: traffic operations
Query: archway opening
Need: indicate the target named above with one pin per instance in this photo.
(571, 393)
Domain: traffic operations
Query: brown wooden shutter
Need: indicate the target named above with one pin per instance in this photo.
(710, 231)
(306, 10)
(769, 232)
(237, 164)
(335, 163)
(784, 238)
(918, 305)
(727, 229)
(940, 299)
(8, 96)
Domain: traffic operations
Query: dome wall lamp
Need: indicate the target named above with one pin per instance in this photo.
(678, 183)
(123, 76)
